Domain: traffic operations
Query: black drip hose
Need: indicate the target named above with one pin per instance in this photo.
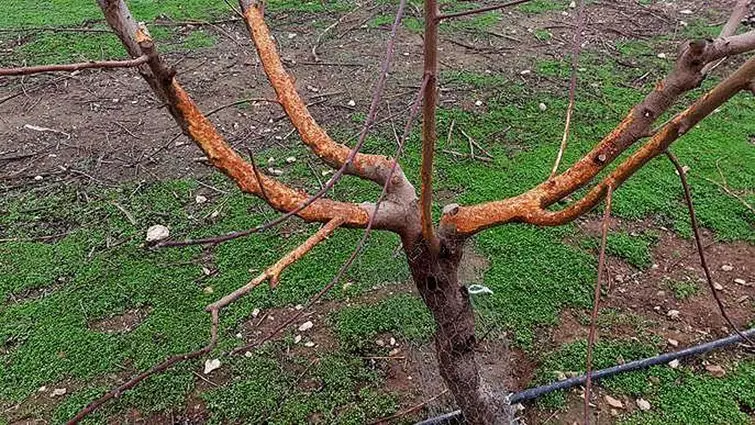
(455, 417)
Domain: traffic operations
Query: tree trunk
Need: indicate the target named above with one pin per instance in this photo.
(448, 300)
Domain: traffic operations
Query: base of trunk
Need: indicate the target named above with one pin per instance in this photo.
(436, 278)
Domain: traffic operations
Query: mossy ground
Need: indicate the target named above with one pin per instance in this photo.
(52, 291)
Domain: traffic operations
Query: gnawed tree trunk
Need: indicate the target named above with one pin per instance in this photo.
(437, 279)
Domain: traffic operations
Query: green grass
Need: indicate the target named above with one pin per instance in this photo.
(402, 315)
(635, 249)
(683, 289)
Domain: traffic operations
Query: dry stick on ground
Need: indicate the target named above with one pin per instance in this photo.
(572, 83)
(362, 243)
(130, 63)
(699, 245)
(239, 102)
(330, 27)
(480, 10)
(274, 71)
(602, 273)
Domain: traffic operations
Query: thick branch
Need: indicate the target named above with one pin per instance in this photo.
(527, 207)
(730, 28)
(205, 135)
(372, 167)
(657, 145)
(130, 63)
(429, 130)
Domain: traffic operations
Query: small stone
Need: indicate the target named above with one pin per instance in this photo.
(57, 392)
(727, 267)
(299, 307)
(542, 107)
(380, 343)
(614, 412)
(352, 103)
(248, 354)
(742, 299)
(199, 199)
(662, 55)
(739, 281)
(614, 402)
(560, 376)
(715, 370)
(271, 160)
(275, 171)
(255, 312)
(42, 389)
(210, 365)
(297, 339)
(157, 232)
(291, 35)
(717, 286)
(673, 314)
(525, 72)
(478, 103)
(208, 290)
(673, 342)
(393, 341)
(643, 404)
(309, 344)
(38, 178)
(313, 89)
(305, 326)
(686, 12)
(394, 352)
(573, 4)
(674, 364)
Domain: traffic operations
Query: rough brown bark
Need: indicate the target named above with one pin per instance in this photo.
(436, 277)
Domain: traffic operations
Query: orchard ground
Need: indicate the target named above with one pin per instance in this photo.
(90, 161)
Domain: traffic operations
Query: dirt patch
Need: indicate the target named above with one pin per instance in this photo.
(125, 322)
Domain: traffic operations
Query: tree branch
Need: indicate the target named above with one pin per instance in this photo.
(371, 167)
(729, 29)
(429, 130)
(530, 206)
(699, 245)
(572, 83)
(596, 302)
(130, 63)
(273, 272)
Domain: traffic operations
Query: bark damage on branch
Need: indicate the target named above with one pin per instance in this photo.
(530, 207)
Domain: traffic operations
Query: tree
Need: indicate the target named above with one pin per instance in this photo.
(433, 249)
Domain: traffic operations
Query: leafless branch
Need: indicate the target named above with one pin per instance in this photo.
(699, 245)
(572, 83)
(602, 273)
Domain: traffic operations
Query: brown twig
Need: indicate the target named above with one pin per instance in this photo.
(572, 83)
(699, 245)
(429, 130)
(596, 302)
(130, 63)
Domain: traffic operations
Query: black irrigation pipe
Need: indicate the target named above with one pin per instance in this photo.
(455, 417)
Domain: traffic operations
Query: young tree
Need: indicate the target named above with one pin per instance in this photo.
(433, 250)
